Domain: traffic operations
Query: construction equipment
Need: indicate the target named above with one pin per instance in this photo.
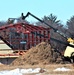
(69, 52)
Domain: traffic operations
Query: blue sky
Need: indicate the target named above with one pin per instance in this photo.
(63, 9)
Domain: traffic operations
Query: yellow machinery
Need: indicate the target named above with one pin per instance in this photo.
(69, 52)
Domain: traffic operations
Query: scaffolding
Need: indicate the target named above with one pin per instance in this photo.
(22, 36)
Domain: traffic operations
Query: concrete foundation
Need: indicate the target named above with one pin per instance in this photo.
(7, 61)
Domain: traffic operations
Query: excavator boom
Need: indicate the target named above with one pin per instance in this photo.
(55, 30)
(40, 20)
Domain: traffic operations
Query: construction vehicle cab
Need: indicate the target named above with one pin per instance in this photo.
(69, 52)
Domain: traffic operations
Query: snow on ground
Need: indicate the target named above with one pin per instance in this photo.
(18, 71)
(62, 69)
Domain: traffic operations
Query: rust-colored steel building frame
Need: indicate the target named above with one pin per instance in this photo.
(28, 35)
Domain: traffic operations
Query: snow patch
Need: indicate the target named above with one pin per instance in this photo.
(18, 71)
(62, 69)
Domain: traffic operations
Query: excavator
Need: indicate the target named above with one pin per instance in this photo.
(69, 51)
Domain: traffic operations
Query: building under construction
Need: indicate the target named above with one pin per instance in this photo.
(20, 37)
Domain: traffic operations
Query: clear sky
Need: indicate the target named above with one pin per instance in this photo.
(63, 9)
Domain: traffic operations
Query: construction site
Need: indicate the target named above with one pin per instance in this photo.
(31, 46)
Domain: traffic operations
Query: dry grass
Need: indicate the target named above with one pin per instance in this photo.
(49, 68)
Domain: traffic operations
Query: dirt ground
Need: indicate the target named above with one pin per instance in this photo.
(49, 69)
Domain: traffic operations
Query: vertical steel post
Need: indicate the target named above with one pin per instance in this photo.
(33, 39)
(28, 41)
(44, 35)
